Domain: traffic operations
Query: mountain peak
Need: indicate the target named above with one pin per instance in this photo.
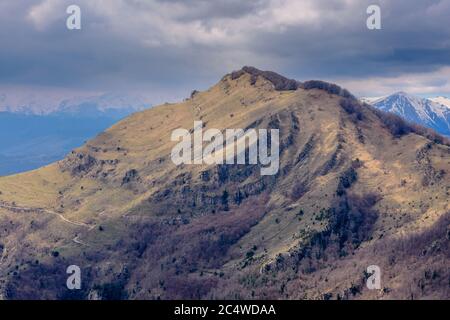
(279, 82)
(282, 83)
(431, 113)
(404, 95)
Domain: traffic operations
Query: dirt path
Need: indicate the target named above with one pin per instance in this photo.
(15, 208)
(42, 210)
(78, 241)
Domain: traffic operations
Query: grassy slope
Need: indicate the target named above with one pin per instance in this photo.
(133, 226)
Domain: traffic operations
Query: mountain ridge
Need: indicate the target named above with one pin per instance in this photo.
(101, 103)
(430, 113)
(32, 135)
(356, 187)
(441, 100)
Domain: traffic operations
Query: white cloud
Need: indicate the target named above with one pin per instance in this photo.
(176, 23)
(427, 83)
(185, 43)
(46, 13)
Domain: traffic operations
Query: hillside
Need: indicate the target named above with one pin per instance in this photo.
(356, 187)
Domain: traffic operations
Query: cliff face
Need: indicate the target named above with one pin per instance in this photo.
(354, 188)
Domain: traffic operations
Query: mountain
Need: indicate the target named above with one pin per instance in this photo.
(47, 103)
(31, 138)
(356, 187)
(111, 104)
(441, 100)
(432, 113)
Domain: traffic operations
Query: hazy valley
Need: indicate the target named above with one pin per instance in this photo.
(36, 132)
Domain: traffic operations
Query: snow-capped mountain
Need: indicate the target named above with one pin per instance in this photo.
(441, 100)
(431, 113)
(43, 103)
(37, 129)
(105, 103)
(371, 100)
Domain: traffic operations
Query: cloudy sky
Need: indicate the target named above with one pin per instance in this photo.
(166, 48)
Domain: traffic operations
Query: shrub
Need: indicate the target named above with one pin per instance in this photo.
(299, 190)
(224, 198)
(396, 125)
(331, 88)
(193, 93)
(111, 291)
(352, 107)
(346, 180)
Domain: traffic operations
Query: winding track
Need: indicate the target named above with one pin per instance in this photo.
(16, 208)
(42, 210)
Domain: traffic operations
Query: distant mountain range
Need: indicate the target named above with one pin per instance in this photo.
(86, 105)
(33, 135)
(433, 113)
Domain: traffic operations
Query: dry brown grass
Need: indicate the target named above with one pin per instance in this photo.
(170, 232)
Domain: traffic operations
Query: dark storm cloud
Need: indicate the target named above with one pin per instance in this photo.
(184, 44)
